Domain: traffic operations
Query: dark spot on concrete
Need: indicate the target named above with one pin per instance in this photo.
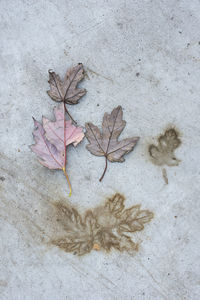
(98, 104)
(2, 178)
(180, 32)
(120, 25)
(3, 283)
(87, 177)
(65, 52)
(137, 74)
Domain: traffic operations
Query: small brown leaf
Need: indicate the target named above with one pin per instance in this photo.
(106, 143)
(66, 91)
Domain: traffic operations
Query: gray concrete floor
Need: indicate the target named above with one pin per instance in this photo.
(114, 40)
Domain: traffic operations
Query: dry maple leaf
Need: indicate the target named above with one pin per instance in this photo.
(102, 228)
(106, 143)
(66, 91)
(51, 140)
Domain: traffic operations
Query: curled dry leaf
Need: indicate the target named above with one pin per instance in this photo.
(51, 139)
(66, 91)
(106, 143)
(102, 228)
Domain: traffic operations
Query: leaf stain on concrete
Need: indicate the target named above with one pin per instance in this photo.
(163, 153)
(103, 228)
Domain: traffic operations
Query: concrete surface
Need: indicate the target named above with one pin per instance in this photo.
(114, 40)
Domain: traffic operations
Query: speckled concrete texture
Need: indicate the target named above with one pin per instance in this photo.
(144, 56)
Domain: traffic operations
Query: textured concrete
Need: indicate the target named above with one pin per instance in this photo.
(160, 41)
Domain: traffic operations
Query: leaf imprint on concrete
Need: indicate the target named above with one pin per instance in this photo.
(104, 227)
(163, 153)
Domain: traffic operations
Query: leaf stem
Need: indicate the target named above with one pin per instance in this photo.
(65, 154)
(70, 188)
(104, 169)
(66, 110)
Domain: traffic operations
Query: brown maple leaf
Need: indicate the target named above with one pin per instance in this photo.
(106, 143)
(66, 91)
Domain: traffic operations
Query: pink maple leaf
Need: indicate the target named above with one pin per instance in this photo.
(51, 139)
(55, 130)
